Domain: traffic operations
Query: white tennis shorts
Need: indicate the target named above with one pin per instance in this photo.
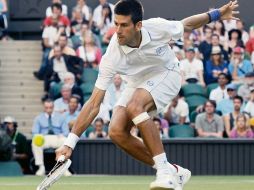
(163, 87)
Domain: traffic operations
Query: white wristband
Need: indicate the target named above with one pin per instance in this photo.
(71, 140)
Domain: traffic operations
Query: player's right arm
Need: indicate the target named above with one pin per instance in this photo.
(89, 111)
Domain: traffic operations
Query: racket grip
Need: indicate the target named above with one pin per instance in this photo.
(61, 158)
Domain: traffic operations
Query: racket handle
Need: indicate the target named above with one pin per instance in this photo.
(61, 158)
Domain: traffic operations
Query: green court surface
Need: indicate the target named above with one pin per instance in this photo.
(98, 182)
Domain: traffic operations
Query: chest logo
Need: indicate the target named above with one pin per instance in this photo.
(160, 51)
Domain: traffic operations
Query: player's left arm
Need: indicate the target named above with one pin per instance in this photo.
(226, 12)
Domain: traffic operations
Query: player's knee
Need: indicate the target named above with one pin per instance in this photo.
(115, 133)
(134, 109)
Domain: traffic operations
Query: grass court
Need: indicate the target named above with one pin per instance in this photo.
(98, 182)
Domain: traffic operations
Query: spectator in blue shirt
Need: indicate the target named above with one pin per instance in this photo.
(71, 115)
(239, 66)
(215, 65)
(51, 125)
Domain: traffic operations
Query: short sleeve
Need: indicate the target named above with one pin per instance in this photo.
(106, 67)
(170, 30)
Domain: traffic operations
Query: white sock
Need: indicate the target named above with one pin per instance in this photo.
(161, 164)
(171, 167)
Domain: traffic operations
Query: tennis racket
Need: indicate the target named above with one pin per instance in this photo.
(57, 171)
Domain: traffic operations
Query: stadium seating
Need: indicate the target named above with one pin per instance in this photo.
(194, 101)
(210, 87)
(181, 131)
(10, 168)
(87, 89)
(193, 89)
(55, 90)
(89, 75)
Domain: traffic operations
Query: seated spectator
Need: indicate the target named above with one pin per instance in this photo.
(77, 21)
(250, 44)
(219, 30)
(85, 9)
(241, 129)
(49, 11)
(215, 41)
(225, 106)
(78, 39)
(244, 89)
(209, 124)
(205, 46)
(89, 52)
(62, 41)
(61, 105)
(235, 40)
(103, 17)
(57, 12)
(114, 92)
(220, 92)
(215, 65)
(50, 36)
(240, 26)
(239, 66)
(51, 126)
(249, 108)
(72, 113)
(229, 119)
(178, 110)
(157, 123)
(60, 64)
(69, 79)
(192, 68)
(19, 143)
(98, 130)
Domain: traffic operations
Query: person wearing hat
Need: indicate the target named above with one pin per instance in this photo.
(225, 106)
(215, 65)
(249, 108)
(239, 66)
(191, 68)
(19, 142)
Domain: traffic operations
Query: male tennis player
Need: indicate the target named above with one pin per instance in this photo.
(139, 51)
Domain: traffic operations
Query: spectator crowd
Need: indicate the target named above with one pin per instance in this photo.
(216, 63)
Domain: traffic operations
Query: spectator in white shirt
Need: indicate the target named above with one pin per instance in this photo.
(61, 105)
(177, 111)
(192, 68)
(220, 92)
(249, 108)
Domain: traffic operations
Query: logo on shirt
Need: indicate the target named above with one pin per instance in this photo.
(160, 51)
(150, 83)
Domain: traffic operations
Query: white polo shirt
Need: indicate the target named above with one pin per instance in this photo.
(135, 64)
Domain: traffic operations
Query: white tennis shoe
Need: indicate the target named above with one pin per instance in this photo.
(164, 182)
(182, 177)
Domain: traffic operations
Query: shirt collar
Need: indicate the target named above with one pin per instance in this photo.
(146, 38)
(47, 115)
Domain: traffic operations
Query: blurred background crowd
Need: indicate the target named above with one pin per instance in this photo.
(216, 62)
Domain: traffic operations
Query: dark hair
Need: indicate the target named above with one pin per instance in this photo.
(48, 101)
(130, 7)
(223, 30)
(239, 33)
(157, 119)
(99, 119)
(216, 35)
(106, 6)
(76, 97)
(225, 75)
(56, 5)
(211, 102)
(238, 98)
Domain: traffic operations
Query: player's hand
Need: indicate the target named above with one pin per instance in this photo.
(228, 11)
(63, 150)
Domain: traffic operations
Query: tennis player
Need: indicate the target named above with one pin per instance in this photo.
(139, 51)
